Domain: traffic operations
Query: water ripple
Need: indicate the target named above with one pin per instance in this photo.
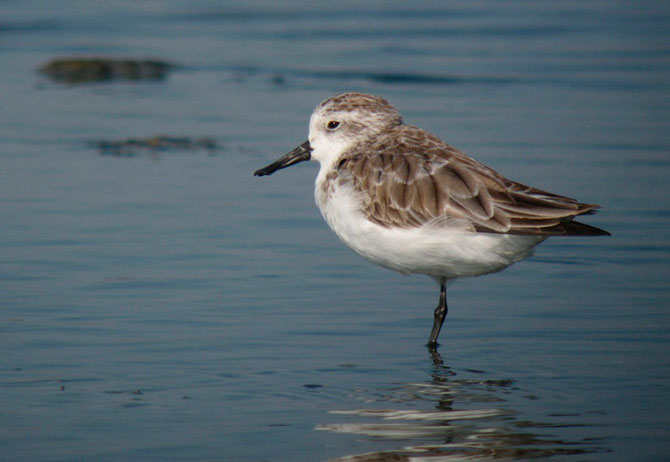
(458, 427)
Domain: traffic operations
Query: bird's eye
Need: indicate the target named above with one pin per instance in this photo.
(333, 124)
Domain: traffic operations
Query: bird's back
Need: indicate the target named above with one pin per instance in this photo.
(410, 178)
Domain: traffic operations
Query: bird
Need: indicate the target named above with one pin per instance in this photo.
(404, 199)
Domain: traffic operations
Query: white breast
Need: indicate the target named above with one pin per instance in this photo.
(437, 251)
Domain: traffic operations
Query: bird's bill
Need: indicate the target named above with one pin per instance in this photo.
(299, 154)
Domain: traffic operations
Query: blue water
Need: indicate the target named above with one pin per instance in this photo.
(170, 306)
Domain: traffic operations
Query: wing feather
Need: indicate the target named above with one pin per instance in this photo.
(421, 180)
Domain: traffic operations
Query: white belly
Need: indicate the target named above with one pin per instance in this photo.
(436, 251)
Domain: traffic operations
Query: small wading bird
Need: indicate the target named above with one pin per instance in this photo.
(406, 200)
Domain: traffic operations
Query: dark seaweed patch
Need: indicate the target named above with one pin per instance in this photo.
(85, 70)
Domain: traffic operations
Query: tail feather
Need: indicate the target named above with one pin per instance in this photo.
(575, 228)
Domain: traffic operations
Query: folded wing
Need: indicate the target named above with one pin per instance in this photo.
(422, 181)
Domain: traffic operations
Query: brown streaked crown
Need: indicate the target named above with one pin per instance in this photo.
(372, 111)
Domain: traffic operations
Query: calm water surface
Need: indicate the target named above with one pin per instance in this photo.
(170, 306)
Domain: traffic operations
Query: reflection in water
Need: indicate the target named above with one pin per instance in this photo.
(470, 420)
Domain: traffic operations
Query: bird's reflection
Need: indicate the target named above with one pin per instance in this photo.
(447, 419)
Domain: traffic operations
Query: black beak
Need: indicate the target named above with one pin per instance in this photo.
(302, 152)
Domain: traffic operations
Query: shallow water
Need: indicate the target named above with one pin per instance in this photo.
(169, 305)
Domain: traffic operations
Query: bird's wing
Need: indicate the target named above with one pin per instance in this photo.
(415, 179)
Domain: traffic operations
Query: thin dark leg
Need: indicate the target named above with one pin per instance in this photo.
(440, 313)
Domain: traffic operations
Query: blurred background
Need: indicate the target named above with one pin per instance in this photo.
(158, 302)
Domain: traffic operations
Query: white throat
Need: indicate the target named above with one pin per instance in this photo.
(327, 151)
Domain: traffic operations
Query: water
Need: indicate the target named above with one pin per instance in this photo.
(171, 306)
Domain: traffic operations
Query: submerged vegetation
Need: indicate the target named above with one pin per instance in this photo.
(131, 147)
(85, 70)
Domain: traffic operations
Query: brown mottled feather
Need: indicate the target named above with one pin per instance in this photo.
(421, 180)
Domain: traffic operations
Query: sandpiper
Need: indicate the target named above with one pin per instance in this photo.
(406, 200)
